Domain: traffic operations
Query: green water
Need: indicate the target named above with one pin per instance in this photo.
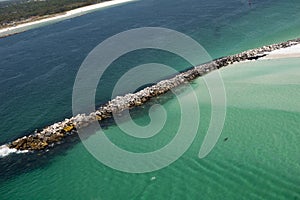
(260, 159)
(257, 155)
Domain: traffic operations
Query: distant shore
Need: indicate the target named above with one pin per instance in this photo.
(35, 22)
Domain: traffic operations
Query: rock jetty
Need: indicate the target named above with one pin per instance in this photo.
(50, 135)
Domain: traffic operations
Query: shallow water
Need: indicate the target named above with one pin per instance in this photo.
(259, 159)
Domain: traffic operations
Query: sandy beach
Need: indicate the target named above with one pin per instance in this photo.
(289, 52)
(59, 17)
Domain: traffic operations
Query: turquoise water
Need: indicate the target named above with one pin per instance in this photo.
(259, 159)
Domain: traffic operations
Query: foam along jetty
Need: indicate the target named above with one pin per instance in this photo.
(58, 17)
(5, 150)
(50, 135)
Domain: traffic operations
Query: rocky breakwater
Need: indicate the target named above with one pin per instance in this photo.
(50, 135)
(254, 54)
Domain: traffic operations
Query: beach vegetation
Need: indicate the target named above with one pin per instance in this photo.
(15, 12)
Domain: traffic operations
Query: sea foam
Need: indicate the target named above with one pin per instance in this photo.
(5, 151)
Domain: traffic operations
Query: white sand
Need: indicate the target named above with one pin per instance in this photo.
(289, 52)
(59, 17)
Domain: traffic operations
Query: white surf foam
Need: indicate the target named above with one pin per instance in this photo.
(5, 151)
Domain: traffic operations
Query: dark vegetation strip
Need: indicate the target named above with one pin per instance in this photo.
(16, 12)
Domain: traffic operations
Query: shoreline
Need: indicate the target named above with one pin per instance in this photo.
(53, 134)
(22, 27)
(284, 53)
(289, 52)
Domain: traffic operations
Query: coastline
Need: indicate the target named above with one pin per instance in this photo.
(53, 134)
(289, 52)
(5, 32)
